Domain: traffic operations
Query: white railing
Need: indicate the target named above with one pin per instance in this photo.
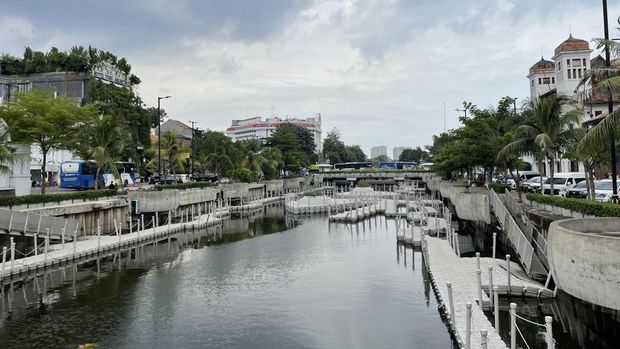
(531, 232)
(525, 251)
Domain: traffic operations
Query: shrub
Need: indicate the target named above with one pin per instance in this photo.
(499, 187)
(182, 186)
(243, 175)
(40, 199)
(585, 206)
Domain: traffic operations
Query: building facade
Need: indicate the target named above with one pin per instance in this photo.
(562, 76)
(257, 128)
(72, 85)
(397, 151)
(377, 151)
(183, 131)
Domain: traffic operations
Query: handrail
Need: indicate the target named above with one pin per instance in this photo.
(525, 251)
(537, 239)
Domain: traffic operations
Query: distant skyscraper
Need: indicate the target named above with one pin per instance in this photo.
(378, 151)
(397, 151)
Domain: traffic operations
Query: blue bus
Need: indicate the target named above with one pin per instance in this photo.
(78, 174)
(128, 167)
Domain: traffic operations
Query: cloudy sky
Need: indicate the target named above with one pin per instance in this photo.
(379, 70)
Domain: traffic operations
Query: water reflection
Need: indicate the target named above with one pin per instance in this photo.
(317, 285)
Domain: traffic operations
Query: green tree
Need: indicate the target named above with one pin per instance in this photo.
(285, 140)
(416, 155)
(549, 128)
(103, 141)
(8, 156)
(50, 123)
(333, 148)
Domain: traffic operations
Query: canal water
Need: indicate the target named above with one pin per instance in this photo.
(267, 281)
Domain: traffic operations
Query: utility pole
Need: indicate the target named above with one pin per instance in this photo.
(610, 108)
(514, 104)
(191, 156)
(159, 134)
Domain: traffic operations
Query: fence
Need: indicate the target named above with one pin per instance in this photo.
(522, 245)
(32, 223)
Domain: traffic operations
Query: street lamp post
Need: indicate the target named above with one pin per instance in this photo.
(191, 156)
(610, 108)
(159, 134)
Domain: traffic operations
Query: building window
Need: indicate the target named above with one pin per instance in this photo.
(539, 81)
(532, 82)
(597, 113)
(576, 62)
(559, 65)
(568, 62)
(553, 79)
(546, 81)
(579, 71)
(584, 62)
(568, 71)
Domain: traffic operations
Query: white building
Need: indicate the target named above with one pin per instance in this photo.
(256, 128)
(397, 151)
(378, 151)
(571, 61)
(17, 182)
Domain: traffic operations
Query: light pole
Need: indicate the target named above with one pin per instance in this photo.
(191, 156)
(159, 134)
(610, 108)
(514, 104)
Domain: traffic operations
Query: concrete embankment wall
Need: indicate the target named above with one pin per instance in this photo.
(87, 213)
(469, 206)
(584, 255)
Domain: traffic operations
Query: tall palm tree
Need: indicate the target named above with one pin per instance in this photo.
(218, 162)
(173, 151)
(550, 128)
(8, 156)
(104, 141)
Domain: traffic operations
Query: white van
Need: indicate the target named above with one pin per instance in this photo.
(563, 181)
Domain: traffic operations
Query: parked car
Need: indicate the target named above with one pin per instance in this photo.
(204, 177)
(580, 190)
(526, 184)
(603, 190)
(536, 187)
(563, 181)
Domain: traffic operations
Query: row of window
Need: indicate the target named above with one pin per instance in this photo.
(574, 63)
(576, 73)
(544, 81)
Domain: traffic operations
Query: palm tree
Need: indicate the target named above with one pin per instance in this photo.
(173, 152)
(549, 128)
(8, 156)
(105, 140)
(218, 162)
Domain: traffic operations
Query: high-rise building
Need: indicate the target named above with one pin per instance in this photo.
(256, 128)
(397, 151)
(377, 151)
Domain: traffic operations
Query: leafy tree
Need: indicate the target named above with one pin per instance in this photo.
(353, 153)
(217, 152)
(243, 175)
(285, 140)
(103, 141)
(416, 155)
(274, 163)
(8, 156)
(550, 128)
(50, 123)
(333, 148)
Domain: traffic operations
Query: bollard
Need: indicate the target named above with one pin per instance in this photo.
(478, 260)
(458, 246)
(98, 237)
(63, 237)
(451, 303)
(508, 271)
(494, 242)
(11, 240)
(483, 339)
(479, 278)
(496, 307)
(549, 334)
(36, 244)
(467, 325)
(142, 223)
(47, 245)
(74, 242)
(491, 284)
(513, 325)
(3, 260)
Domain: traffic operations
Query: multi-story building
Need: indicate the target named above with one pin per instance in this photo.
(397, 151)
(378, 151)
(563, 76)
(256, 128)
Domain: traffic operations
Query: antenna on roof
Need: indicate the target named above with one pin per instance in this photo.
(570, 31)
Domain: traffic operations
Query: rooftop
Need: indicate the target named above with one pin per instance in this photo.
(572, 44)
